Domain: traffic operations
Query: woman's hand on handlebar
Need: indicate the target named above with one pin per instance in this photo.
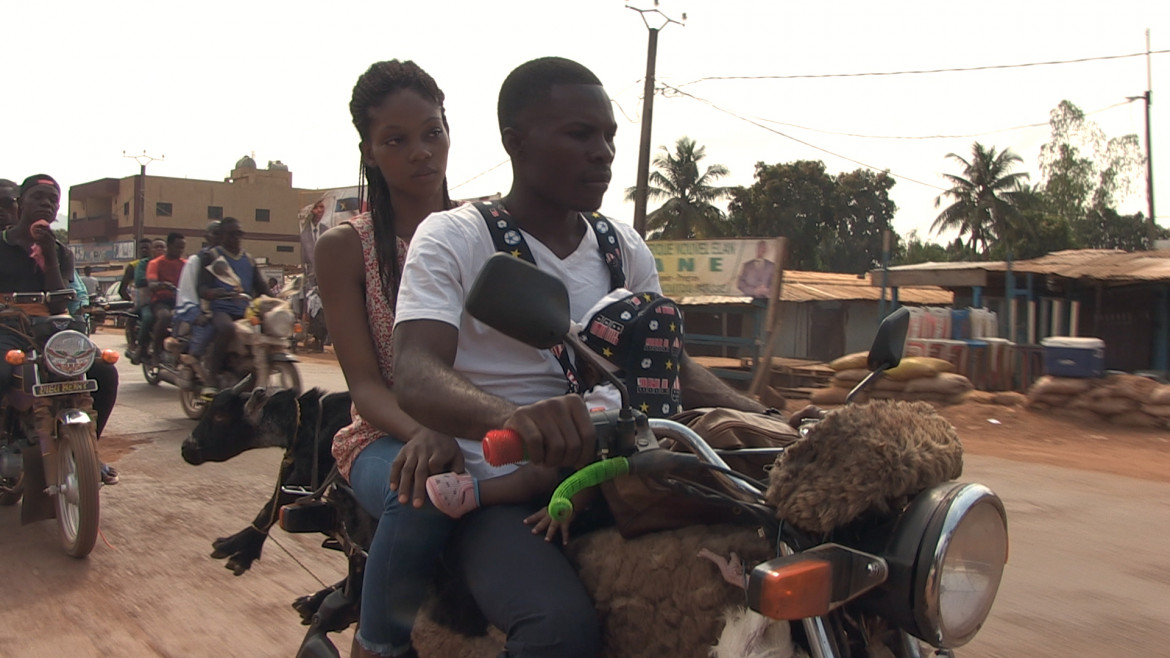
(426, 453)
(556, 431)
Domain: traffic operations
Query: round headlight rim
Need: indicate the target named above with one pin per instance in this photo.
(89, 357)
(959, 502)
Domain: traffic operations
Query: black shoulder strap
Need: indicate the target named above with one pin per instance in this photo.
(508, 239)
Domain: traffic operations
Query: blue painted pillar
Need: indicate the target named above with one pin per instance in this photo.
(977, 296)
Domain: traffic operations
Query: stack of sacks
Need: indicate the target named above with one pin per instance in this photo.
(917, 378)
(1128, 400)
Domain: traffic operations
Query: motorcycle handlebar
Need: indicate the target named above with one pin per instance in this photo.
(501, 447)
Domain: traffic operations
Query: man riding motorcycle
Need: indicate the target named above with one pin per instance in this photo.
(162, 278)
(227, 273)
(31, 260)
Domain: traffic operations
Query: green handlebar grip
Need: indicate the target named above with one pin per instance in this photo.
(560, 506)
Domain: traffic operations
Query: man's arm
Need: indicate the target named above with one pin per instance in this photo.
(701, 388)
(556, 431)
(259, 285)
(206, 283)
(127, 281)
(432, 392)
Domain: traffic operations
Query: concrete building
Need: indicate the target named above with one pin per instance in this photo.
(105, 220)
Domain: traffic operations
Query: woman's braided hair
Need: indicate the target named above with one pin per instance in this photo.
(372, 88)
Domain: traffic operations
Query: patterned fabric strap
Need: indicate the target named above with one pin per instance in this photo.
(508, 239)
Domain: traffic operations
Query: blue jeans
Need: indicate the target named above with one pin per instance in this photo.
(403, 554)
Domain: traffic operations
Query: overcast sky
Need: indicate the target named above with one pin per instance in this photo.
(208, 82)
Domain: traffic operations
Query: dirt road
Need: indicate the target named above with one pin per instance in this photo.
(1088, 509)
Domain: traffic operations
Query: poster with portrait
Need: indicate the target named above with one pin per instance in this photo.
(332, 208)
(741, 267)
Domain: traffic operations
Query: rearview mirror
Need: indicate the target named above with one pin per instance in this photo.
(520, 301)
(890, 341)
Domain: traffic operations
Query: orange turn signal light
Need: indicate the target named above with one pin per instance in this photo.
(794, 590)
(297, 328)
(14, 357)
(254, 320)
(110, 356)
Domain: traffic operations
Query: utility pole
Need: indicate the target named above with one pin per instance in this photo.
(140, 193)
(1152, 226)
(1150, 145)
(643, 182)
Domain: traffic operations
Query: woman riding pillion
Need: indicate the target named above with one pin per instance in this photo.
(398, 111)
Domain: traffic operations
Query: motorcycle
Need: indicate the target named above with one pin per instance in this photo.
(924, 572)
(260, 349)
(48, 451)
(930, 568)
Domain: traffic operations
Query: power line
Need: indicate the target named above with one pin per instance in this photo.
(801, 141)
(980, 134)
(482, 173)
(923, 71)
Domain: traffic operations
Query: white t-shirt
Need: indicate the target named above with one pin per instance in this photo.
(446, 254)
(188, 293)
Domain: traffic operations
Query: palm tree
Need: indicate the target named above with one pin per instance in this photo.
(688, 212)
(985, 197)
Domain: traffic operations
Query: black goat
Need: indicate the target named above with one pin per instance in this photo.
(236, 422)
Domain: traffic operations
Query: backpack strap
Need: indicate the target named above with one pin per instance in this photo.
(508, 239)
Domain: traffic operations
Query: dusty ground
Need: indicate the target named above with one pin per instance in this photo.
(1042, 437)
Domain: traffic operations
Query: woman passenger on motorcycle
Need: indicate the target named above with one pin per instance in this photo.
(31, 260)
(398, 111)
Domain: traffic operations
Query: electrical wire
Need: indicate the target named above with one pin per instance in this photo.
(1080, 60)
(801, 141)
(482, 173)
(979, 134)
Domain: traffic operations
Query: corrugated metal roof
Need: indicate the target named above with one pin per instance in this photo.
(802, 286)
(1098, 264)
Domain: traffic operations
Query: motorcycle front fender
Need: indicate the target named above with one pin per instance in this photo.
(282, 356)
(73, 417)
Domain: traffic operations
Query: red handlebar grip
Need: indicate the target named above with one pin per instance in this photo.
(503, 447)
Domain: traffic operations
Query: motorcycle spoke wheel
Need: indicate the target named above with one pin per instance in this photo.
(149, 370)
(192, 403)
(15, 490)
(283, 374)
(79, 479)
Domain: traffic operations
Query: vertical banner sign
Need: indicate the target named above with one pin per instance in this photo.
(743, 267)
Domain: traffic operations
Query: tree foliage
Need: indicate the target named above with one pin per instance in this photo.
(688, 211)
(985, 196)
(833, 223)
(1085, 175)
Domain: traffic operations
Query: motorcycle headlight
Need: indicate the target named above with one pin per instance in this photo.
(69, 353)
(946, 558)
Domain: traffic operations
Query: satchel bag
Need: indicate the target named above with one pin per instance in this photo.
(642, 504)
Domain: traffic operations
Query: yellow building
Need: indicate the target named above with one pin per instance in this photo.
(105, 221)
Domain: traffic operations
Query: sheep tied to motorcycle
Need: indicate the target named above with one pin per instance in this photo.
(859, 543)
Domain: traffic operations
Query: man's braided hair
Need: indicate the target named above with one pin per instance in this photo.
(379, 81)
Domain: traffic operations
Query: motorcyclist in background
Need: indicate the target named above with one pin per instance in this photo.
(31, 260)
(226, 272)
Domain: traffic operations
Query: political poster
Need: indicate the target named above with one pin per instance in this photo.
(723, 268)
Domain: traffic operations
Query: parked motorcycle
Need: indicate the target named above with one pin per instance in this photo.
(48, 451)
(260, 348)
(930, 568)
